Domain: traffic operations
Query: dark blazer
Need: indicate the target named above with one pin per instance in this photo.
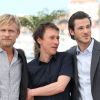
(94, 72)
(24, 78)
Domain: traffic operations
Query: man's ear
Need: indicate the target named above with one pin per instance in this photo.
(39, 40)
(71, 32)
(18, 33)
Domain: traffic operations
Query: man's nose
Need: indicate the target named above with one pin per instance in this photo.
(56, 41)
(7, 33)
(86, 31)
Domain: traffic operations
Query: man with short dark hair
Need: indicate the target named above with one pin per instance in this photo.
(87, 58)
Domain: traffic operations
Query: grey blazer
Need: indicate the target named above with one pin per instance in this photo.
(94, 72)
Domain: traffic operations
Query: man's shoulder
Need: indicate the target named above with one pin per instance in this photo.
(32, 62)
(72, 50)
(64, 54)
(96, 42)
(21, 53)
(33, 66)
(60, 55)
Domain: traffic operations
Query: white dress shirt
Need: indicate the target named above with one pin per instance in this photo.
(84, 66)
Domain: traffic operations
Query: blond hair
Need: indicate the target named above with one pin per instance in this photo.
(9, 19)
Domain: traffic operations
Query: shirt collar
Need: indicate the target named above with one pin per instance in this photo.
(89, 49)
(15, 51)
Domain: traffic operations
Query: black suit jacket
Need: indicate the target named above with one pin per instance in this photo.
(94, 72)
(24, 78)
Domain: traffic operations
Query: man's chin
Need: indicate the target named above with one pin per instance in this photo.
(53, 53)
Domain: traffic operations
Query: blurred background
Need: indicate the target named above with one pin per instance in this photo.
(34, 12)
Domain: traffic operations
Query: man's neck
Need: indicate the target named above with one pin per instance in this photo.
(45, 57)
(10, 53)
(82, 46)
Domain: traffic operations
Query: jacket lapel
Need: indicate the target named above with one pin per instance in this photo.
(95, 59)
(75, 69)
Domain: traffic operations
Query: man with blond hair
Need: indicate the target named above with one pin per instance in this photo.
(13, 73)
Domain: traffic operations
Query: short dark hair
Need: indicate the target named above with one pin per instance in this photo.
(39, 32)
(77, 15)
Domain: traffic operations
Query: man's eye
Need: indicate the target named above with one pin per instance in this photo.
(2, 30)
(81, 28)
(52, 37)
(11, 31)
(58, 38)
(88, 26)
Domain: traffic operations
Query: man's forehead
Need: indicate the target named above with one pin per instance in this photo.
(81, 22)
